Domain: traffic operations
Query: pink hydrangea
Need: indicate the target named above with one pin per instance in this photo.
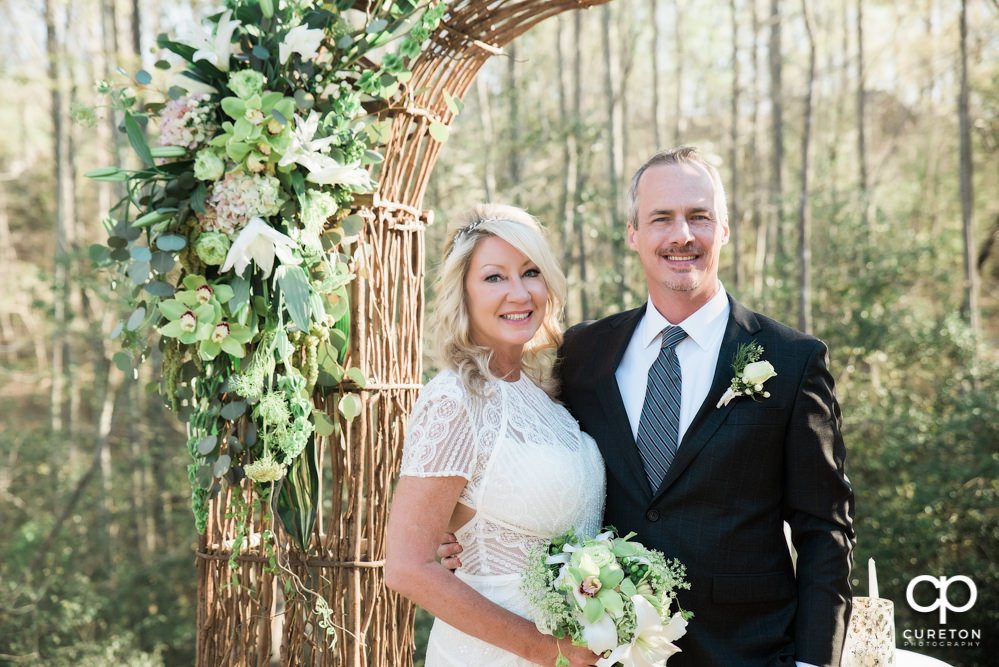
(239, 197)
(186, 122)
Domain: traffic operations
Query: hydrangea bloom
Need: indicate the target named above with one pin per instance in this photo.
(186, 122)
(239, 197)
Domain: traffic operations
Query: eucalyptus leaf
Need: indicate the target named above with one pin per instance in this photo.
(143, 78)
(99, 254)
(234, 445)
(204, 476)
(160, 288)
(439, 131)
(138, 272)
(162, 261)
(122, 361)
(357, 375)
(233, 411)
(207, 444)
(260, 52)
(350, 406)
(117, 242)
(376, 26)
(117, 330)
(221, 466)
(140, 253)
(344, 42)
(120, 255)
(240, 294)
(135, 319)
(171, 242)
(352, 224)
(324, 426)
(162, 64)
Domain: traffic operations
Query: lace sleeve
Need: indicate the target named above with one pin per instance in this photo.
(440, 439)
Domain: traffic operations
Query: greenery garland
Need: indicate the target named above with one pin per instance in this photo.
(234, 239)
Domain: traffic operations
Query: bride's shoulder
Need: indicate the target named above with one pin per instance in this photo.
(446, 384)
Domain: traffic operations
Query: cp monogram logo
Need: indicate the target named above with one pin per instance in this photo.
(942, 602)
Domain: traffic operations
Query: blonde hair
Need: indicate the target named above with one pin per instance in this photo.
(450, 322)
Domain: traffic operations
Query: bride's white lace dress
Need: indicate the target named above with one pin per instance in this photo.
(532, 474)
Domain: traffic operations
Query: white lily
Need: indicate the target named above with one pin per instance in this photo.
(259, 242)
(653, 643)
(191, 85)
(327, 171)
(600, 636)
(303, 148)
(301, 40)
(217, 48)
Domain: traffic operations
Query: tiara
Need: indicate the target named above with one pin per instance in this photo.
(468, 229)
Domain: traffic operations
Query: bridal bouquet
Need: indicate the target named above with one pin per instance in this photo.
(610, 594)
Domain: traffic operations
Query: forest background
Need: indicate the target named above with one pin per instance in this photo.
(859, 140)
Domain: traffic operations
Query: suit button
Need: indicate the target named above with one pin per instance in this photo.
(652, 515)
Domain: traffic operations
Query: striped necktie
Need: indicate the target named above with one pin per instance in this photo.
(659, 425)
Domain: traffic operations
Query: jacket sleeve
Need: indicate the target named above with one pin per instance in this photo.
(819, 507)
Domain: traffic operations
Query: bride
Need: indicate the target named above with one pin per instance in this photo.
(488, 454)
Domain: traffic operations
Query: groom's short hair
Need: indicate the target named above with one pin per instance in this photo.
(678, 155)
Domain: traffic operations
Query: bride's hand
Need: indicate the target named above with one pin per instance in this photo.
(448, 551)
(578, 656)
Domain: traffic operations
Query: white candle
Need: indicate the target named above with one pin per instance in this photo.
(872, 579)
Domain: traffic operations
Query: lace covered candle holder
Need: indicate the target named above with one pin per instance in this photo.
(870, 636)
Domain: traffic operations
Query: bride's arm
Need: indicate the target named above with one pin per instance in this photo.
(421, 510)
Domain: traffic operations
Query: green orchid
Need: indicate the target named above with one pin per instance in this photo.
(187, 324)
(229, 337)
(195, 312)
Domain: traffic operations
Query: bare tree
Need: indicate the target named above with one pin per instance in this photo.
(863, 185)
(804, 210)
(971, 305)
(678, 35)
(776, 59)
(655, 111)
(735, 223)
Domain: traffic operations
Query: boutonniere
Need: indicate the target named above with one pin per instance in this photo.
(750, 374)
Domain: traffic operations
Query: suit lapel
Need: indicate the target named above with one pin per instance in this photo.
(742, 326)
(616, 440)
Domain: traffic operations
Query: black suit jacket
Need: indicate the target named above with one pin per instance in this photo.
(740, 472)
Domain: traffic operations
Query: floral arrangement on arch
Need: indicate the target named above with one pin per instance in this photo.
(233, 241)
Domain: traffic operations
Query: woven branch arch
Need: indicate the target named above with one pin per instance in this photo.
(242, 618)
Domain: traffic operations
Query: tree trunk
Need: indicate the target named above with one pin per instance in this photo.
(678, 124)
(734, 222)
(971, 306)
(566, 206)
(612, 72)
(861, 117)
(657, 137)
(489, 136)
(775, 221)
(577, 100)
(513, 110)
(755, 185)
(63, 228)
(804, 215)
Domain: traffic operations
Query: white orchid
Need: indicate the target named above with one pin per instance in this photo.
(301, 40)
(653, 642)
(217, 48)
(303, 148)
(259, 242)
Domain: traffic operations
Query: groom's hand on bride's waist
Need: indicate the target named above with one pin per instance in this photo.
(447, 552)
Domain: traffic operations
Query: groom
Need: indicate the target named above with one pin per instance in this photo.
(715, 492)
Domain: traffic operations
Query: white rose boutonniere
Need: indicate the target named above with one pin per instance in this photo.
(750, 374)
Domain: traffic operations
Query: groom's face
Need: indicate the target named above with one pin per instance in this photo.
(679, 232)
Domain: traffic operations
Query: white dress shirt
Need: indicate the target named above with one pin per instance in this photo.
(698, 355)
